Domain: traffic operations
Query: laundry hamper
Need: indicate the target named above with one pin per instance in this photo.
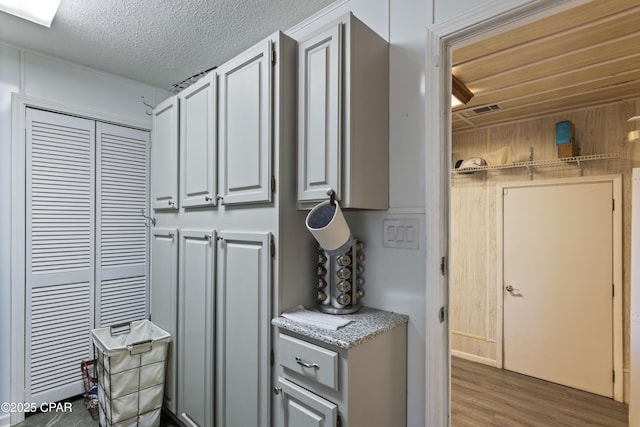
(132, 360)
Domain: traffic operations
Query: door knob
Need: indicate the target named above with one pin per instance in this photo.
(510, 288)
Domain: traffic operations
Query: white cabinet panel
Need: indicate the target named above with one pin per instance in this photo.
(319, 100)
(244, 126)
(302, 408)
(197, 143)
(164, 155)
(164, 299)
(244, 317)
(196, 327)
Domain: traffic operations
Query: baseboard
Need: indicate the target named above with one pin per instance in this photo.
(474, 358)
(5, 420)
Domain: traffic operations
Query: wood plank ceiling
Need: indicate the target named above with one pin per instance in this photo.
(588, 55)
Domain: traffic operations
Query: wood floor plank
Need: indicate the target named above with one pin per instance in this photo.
(483, 396)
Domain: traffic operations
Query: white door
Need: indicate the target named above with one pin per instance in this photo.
(197, 143)
(164, 155)
(60, 253)
(303, 408)
(244, 322)
(319, 115)
(86, 243)
(196, 334)
(164, 299)
(122, 282)
(558, 275)
(244, 126)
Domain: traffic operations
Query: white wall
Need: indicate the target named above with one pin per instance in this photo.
(44, 78)
(395, 278)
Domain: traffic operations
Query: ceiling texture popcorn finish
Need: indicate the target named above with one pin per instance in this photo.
(152, 41)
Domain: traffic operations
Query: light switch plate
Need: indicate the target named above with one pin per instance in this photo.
(401, 233)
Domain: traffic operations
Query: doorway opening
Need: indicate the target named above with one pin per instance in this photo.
(508, 67)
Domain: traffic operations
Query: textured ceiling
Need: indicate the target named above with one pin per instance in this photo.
(159, 42)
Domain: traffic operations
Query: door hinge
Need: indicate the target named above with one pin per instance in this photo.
(273, 57)
(442, 314)
(613, 204)
(443, 266)
(273, 184)
(273, 249)
(614, 376)
(613, 290)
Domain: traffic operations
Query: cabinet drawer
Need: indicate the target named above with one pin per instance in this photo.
(309, 360)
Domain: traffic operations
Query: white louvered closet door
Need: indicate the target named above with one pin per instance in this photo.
(59, 253)
(123, 180)
(86, 243)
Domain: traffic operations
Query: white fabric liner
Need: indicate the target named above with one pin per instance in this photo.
(131, 373)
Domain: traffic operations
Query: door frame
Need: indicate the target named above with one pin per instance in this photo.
(439, 38)
(616, 182)
(19, 105)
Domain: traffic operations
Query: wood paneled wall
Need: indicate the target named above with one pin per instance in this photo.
(473, 247)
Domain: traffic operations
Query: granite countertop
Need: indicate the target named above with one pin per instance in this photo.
(367, 323)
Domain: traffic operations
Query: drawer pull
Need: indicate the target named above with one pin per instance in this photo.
(307, 365)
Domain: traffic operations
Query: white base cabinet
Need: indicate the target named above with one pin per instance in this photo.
(323, 385)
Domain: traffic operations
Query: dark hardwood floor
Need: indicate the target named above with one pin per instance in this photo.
(482, 396)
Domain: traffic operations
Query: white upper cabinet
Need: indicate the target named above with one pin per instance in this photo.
(244, 126)
(164, 155)
(343, 116)
(197, 143)
(319, 99)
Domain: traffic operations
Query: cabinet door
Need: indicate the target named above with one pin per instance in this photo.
(197, 144)
(164, 155)
(303, 408)
(319, 115)
(164, 299)
(244, 318)
(244, 126)
(196, 328)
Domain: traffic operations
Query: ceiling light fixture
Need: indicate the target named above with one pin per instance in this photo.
(39, 11)
(460, 94)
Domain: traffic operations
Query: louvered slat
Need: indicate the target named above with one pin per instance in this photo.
(124, 171)
(61, 166)
(54, 362)
(123, 300)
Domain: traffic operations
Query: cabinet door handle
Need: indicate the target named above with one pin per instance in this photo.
(301, 362)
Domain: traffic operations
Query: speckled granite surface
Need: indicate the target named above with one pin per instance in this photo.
(367, 323)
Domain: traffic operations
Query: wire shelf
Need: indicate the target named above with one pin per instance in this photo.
(530, 164)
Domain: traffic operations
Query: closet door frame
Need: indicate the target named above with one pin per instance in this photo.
(19, 105)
